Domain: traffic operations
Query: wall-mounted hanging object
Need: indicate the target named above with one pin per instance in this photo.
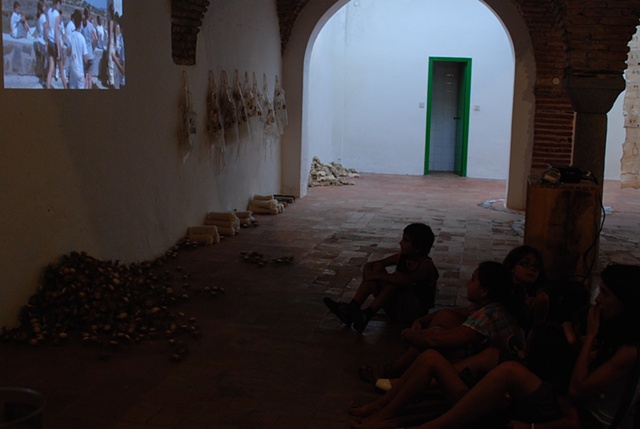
(229, 111)
(188, 120)
(244, 134)
(280, 106)
(270, 133)
(214, 123)
(254, 109)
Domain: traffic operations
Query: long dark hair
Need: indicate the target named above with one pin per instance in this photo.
(624, 282)
(496, 279)
(517, 254)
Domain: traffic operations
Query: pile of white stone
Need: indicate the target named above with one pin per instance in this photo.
(332, 174)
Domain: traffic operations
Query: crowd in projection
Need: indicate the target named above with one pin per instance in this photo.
(84, 50)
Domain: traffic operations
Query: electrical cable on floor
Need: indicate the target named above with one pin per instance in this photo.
(595, 240)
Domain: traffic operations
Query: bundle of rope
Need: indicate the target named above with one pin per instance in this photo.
(205, 234)
(265, 204)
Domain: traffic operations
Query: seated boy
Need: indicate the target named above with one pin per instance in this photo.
(405, 294)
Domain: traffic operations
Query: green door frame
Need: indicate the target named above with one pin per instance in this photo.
(464, 101)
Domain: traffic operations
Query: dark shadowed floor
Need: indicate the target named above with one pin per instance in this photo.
(270, 354)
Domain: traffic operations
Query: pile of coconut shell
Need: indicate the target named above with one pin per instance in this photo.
(331, 174)
(105, 303)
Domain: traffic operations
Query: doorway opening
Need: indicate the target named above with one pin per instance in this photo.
(447, 130)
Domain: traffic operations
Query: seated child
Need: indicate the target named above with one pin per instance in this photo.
(406, 293)
(498, 315)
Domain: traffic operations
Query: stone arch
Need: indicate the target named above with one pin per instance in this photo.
(295, 157)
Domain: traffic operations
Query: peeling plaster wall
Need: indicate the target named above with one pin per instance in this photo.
(101, 171)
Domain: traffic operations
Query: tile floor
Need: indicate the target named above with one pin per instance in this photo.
(270, 355)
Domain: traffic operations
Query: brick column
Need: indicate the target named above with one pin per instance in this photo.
(592, 98)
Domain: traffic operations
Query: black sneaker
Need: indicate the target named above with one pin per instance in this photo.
(340, 309)
(360, 320)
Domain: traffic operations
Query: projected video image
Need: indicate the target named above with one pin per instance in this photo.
(63, 44)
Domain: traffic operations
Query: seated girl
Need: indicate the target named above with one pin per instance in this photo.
(527, 270)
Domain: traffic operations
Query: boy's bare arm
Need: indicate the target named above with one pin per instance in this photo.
(374, 270)
(425, 270)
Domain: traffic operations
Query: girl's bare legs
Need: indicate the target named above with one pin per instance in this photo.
(429, 370)
(478, 364)
(404, 361)
(429, 366)
(509, 377)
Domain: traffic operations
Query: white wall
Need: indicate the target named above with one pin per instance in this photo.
(326, 84)
(101, 171)
(616, 135)
(381, 49)
(368, 73)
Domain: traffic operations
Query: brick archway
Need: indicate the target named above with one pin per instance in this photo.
(186, 20)
(570, 39)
